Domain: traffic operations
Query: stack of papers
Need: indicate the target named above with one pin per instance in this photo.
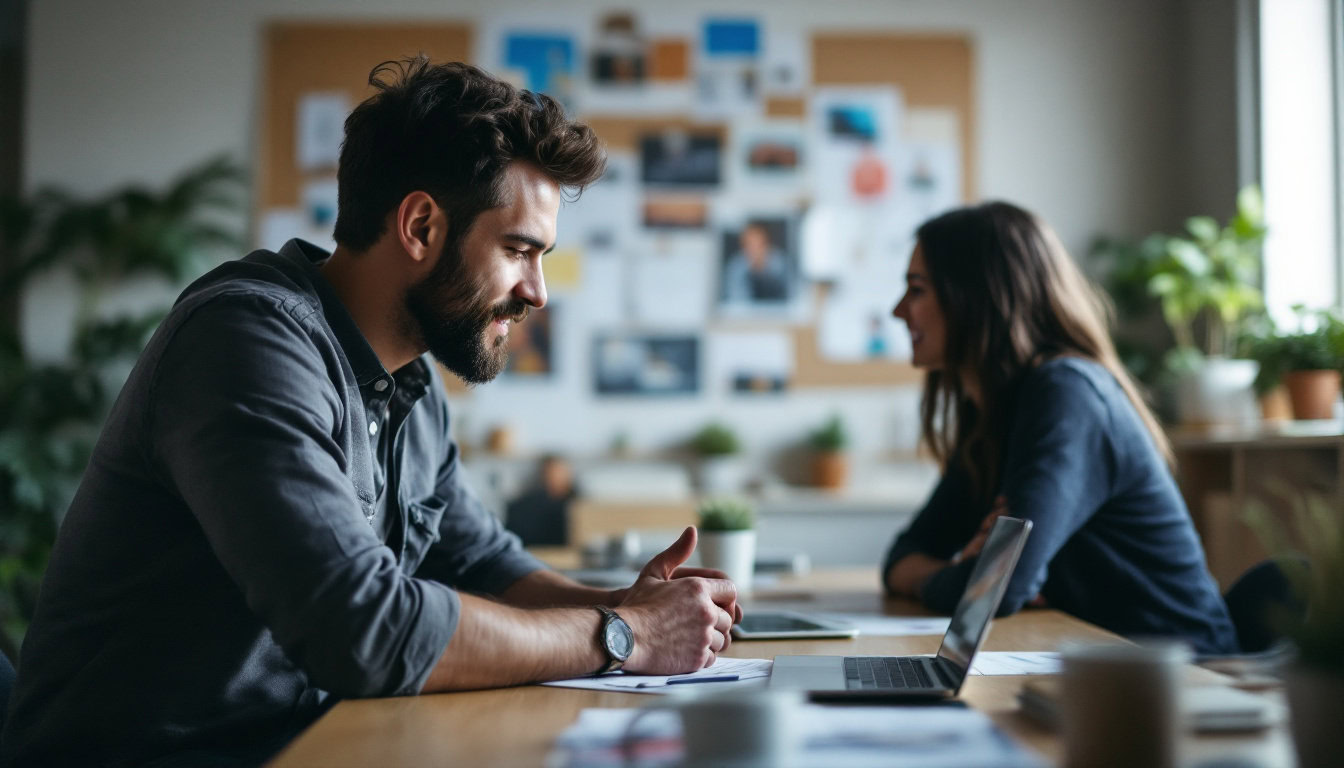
(854, 737)
(1015, 663)
(744, 672)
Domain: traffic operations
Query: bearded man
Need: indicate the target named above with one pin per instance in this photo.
(274, 517)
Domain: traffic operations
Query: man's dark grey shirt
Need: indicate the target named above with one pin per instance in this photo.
(240, 551)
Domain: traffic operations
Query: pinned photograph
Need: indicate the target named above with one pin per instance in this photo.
(760, 265)
(728, 80)
(676, 213)
(542, 62)
(646, 364)
(678, 158)
(752, 362)
(669, 60)
(529, 345)
(619, 54)
(320, 128)
(855, 145)
(768, 155)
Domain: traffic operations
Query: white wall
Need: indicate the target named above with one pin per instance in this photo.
(1080, 108)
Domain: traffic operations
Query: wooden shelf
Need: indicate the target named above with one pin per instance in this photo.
(1270, 469)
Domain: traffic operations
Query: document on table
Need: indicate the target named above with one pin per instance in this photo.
(888, 626)
(743, 669)
(855, 737)
(1015, 663)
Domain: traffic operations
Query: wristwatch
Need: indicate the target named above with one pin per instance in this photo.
(616, 638)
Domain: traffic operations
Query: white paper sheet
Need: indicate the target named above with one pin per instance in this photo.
(672, 283)
(890, 626)
(320, 128)
(929, 171)
(854, 145)
(856, 322)
(786, 67)
(764, 357)
(745, 669)
(1015, 663)
(727, 73)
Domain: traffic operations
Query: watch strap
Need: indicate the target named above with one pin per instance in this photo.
(613, 662)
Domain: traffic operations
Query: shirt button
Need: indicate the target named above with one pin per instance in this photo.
(373, 427)
(380, 385)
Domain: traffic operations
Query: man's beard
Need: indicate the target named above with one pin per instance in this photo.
(450, 313)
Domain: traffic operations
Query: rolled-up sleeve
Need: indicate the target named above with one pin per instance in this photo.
(244, 425)
(941, 528)
(474, 552)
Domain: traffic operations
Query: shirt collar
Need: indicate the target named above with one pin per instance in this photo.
(365, 364)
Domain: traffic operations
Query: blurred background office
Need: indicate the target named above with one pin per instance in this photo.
(719, 320)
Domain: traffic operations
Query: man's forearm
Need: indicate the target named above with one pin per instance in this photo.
(548, 589)
(497, 645)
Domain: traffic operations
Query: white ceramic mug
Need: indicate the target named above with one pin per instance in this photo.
(1120, 704)
(738, 728)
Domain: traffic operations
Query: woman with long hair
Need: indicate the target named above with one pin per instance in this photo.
(1030, 413)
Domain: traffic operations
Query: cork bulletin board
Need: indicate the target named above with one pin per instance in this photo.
(301, 57)
(935, 71)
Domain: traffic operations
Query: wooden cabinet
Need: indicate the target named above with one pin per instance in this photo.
(1231, 477)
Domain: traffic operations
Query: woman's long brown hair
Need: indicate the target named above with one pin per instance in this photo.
(1012, 298)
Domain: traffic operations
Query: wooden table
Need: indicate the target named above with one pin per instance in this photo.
(517, 726)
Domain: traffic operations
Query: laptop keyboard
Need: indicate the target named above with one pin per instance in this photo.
(885, 672)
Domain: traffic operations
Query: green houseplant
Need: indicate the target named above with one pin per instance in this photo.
(715, 439)
(830, 466)
(1204, 283)
(1306, 362)
(728, 539)
(50, 412)
(721, 469)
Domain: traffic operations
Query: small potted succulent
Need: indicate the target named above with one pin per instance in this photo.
(728, 539)
(830, 464)
(721, 469)
(1306, 362)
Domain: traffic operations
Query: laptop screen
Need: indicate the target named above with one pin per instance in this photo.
(985, 588)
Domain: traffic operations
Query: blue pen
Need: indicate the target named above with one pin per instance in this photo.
(711, 679)
(682, 680)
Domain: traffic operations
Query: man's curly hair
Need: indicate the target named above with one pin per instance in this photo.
(450, 130)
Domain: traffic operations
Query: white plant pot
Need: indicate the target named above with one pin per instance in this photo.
(1317, 719)
(733, 552)
(722, 474)
(1219, 392)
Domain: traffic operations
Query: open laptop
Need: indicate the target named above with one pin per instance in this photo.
(940, 676)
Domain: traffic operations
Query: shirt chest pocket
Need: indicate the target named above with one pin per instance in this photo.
(422, 530)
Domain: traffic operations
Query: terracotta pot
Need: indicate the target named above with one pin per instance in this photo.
(1313, 393)
(1317, 719)
(830, 469)
(1275, 405)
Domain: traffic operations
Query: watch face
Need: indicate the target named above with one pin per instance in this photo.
(620, 640)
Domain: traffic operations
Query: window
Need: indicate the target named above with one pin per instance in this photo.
(1300, 151)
